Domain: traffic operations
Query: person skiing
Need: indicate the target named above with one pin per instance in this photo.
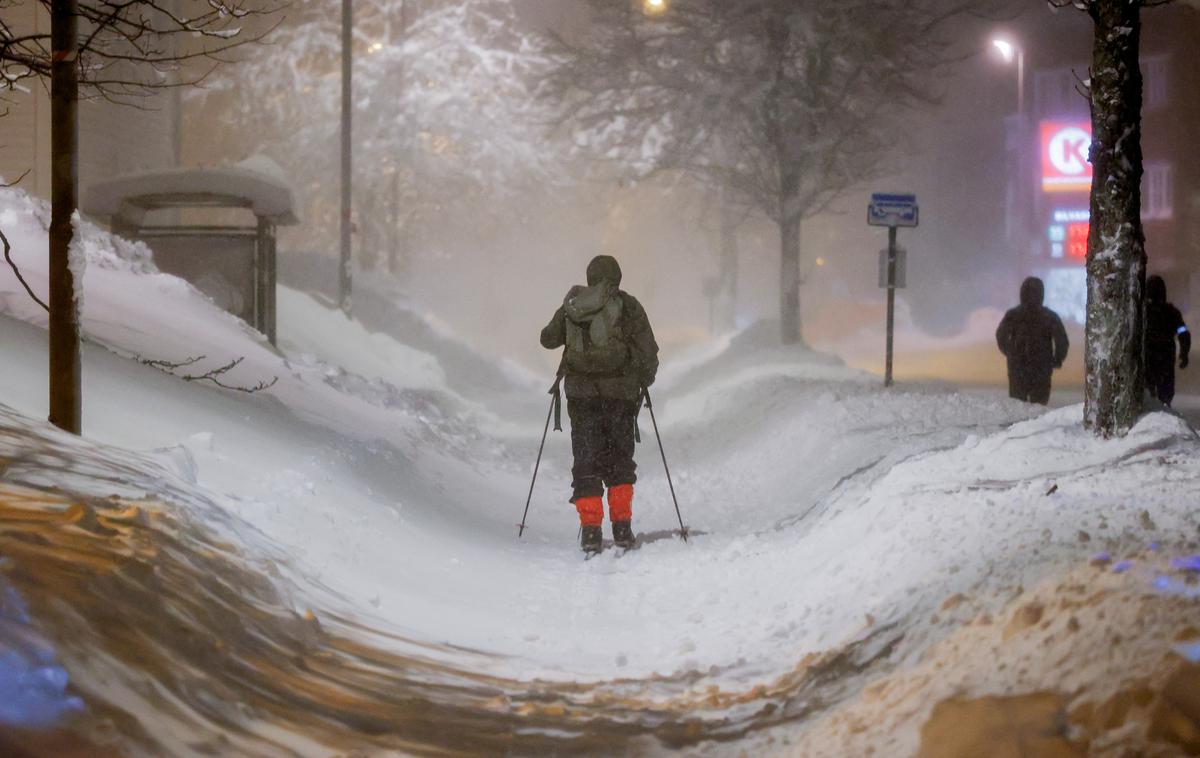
(1032, 338)
(1164, 325)
(610, 358)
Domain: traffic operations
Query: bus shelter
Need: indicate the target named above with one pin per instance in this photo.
(196, 223)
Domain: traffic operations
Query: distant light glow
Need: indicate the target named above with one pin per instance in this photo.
(820, 262)
(654, 7)
(376, 47)
(1008, 50)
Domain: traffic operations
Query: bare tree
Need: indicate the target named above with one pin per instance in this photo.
(787, 105)
(1116, 257)
(120, 50)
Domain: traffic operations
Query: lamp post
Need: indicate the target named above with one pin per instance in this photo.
(344, 259)
(1008, 52)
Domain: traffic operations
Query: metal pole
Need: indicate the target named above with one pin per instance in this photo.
(891, 304)
(538, 464)
(666, 468)
(344, 272)
(1021, 83)
(66, 397)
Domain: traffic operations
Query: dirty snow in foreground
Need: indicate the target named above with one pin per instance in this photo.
(820, 505)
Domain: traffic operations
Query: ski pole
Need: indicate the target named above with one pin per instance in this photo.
(554, 403)
(650, 407)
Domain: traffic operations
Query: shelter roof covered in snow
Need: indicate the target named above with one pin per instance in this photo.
(256, 183)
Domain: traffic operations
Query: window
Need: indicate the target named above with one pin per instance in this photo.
(1157, 195)
(1055, 92)
(1154, 81)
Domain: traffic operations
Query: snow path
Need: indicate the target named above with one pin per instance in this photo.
(822, 506)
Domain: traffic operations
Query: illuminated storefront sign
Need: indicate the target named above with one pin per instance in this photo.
(1068, 234)
(1064, 150)
(1064, 216)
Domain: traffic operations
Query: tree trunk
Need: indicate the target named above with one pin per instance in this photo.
(789, 281)
(727, 265)
(1116, 260)
(66, 406)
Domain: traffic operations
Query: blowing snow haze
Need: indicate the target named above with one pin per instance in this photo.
(319, 502)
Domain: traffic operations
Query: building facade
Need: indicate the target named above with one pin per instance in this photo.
(1050, 177)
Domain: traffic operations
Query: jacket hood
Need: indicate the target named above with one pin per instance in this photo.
(1033, 291)
(604, 268)
(1156, 290)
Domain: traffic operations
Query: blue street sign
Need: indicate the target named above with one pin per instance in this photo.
(893, 210)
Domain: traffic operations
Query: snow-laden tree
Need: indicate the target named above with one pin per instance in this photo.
(444, 111)
(787, 105)
(1116, 257)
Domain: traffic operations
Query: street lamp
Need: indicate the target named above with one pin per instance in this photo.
(654, 7)
(1008, 52)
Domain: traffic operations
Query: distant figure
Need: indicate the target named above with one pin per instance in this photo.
(610, 357)
(1164, 325)
(1033, 339)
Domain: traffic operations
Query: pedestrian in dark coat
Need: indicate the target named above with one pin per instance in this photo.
(610, 357)
(1164, 326)
(1033, 339)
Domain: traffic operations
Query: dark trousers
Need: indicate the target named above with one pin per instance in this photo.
(602, 438)
(1160, 380)
(1029, 386)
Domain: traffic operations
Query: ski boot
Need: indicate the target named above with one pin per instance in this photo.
(623, 534)
(591, 539)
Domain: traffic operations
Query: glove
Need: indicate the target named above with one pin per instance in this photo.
(1183, 362)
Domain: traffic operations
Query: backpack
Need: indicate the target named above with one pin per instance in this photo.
(595, 343)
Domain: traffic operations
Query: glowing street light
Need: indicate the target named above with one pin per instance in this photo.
(654, 7)
(1008, 52)
(1006, 48)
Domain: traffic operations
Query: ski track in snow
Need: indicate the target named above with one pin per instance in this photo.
(824, 509)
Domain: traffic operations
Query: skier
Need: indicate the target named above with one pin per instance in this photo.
(1164, 325)
(1033, 339)
(610, 357)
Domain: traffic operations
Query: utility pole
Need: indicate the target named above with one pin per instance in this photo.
(345, 282)
(66, 401)
(394, 226)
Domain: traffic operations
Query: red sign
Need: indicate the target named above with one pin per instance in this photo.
(1077, 238)
(1064, 147)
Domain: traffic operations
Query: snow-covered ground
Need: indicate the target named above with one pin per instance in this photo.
(827, 515)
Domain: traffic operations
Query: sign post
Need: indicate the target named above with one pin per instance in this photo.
(892, 211)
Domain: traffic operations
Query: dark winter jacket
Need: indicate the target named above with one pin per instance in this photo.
(640, 368)
(1164, 325)
(1031, 335)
